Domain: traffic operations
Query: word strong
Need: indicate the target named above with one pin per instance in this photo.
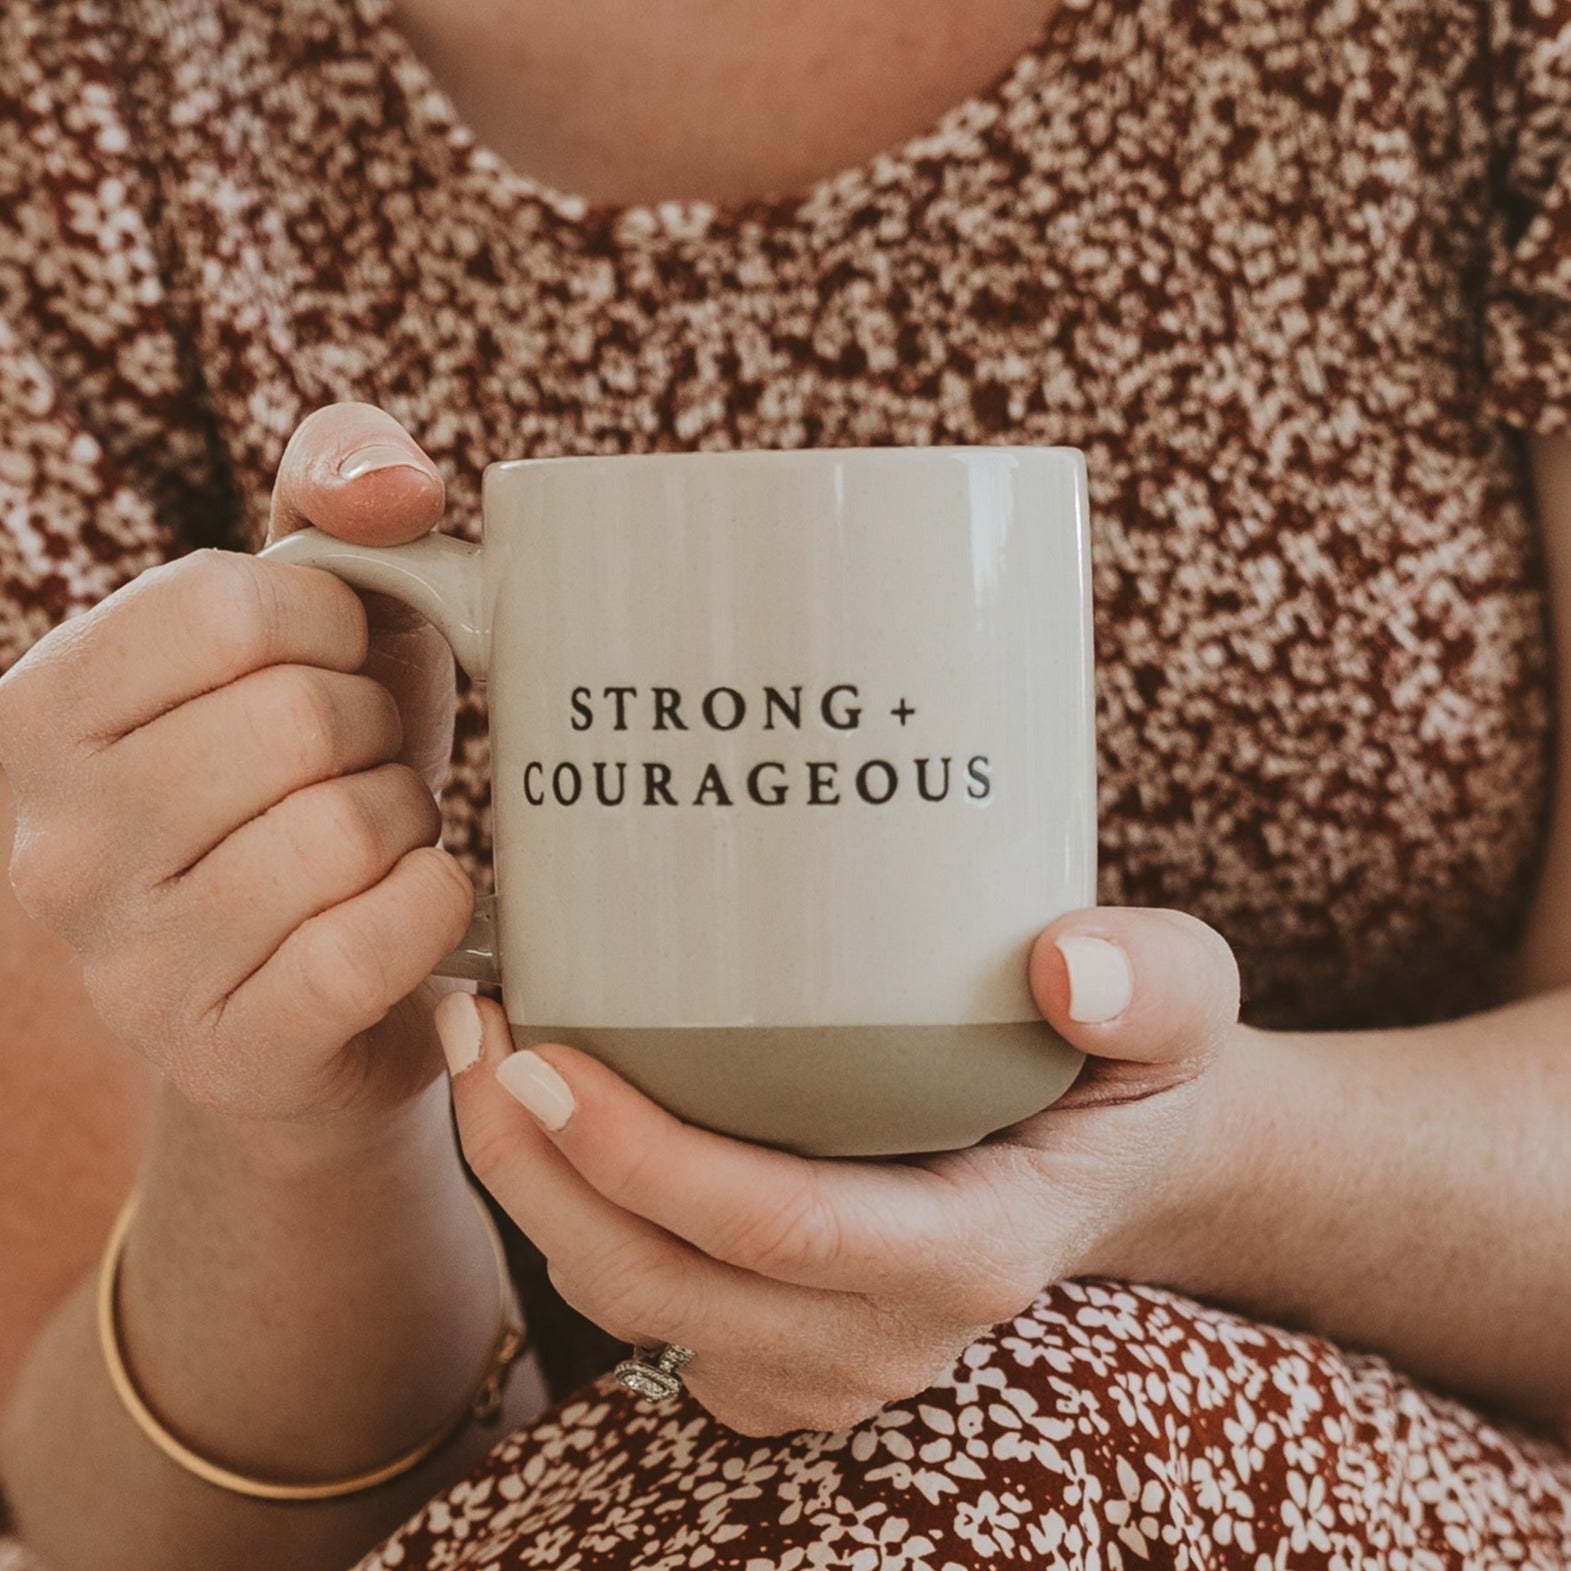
(673, 767)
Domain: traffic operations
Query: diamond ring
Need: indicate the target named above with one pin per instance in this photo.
(658, 1380)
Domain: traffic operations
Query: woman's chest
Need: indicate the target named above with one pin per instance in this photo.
(622, 101)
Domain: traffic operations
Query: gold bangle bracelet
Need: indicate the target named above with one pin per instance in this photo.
(483, 1405)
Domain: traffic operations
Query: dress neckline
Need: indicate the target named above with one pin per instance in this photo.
(435, 118)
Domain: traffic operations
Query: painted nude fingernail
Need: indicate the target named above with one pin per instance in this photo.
(380, 455)
(528, 1078)
(1100, 983)
(458, 1028)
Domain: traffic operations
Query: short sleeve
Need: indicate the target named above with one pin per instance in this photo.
(1527, 323)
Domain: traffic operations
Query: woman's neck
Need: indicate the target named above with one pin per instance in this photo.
(634, 101)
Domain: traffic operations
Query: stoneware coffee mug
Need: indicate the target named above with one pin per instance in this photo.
(792, 758)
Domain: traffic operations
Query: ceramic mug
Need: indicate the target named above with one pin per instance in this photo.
(792, 757)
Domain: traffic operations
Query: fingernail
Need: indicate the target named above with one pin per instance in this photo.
(1100, 982)
(528, 1078)
(458, 1028)
(380, 455)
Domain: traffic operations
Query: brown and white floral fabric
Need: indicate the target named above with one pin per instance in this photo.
(1295, 274)
(1105, 1429)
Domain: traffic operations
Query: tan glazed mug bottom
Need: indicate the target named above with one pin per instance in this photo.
(860, 1090)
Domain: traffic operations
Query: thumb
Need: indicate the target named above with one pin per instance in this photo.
(1144, 986)
(354, 472)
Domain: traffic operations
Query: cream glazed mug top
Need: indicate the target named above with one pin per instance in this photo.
(793, 754)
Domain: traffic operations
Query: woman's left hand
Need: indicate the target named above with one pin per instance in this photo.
(816, 1292)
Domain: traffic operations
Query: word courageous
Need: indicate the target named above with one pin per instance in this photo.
(770, 782)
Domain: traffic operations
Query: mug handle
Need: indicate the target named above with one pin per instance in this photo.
(439, 577)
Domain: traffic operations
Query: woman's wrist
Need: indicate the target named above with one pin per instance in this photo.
(355, 1144)
(266, 1262)
(1184, 1229)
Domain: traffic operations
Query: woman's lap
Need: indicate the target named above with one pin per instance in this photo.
(1107, 1426)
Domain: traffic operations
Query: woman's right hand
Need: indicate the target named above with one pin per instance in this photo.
(224, 781)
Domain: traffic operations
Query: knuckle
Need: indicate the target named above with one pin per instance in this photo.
(800, 1234)
(36, 876)
(320, 433)
(625, 1171)
(359, 825)
(309, 709)
(449, 900)
(362, 717)
(296, 715)
(230, 607)
(412, 807)
(338, 974)
(627, 1291)
(353, 831)
(314, 431)
(311, 439)
(381, 711)
(51, 874)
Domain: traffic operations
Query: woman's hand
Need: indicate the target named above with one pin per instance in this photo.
(224, 778)
(817, 1292)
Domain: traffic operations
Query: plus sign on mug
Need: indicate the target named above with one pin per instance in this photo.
(793, 757)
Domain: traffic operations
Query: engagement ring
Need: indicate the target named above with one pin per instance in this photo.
(652, 1373)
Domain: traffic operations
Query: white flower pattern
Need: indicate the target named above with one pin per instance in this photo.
(1295, 1454)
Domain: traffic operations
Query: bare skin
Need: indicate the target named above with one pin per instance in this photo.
(620, 101)
(66, 1167)
(328, 1141)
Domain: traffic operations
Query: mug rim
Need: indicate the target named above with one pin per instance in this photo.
(735, 454)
